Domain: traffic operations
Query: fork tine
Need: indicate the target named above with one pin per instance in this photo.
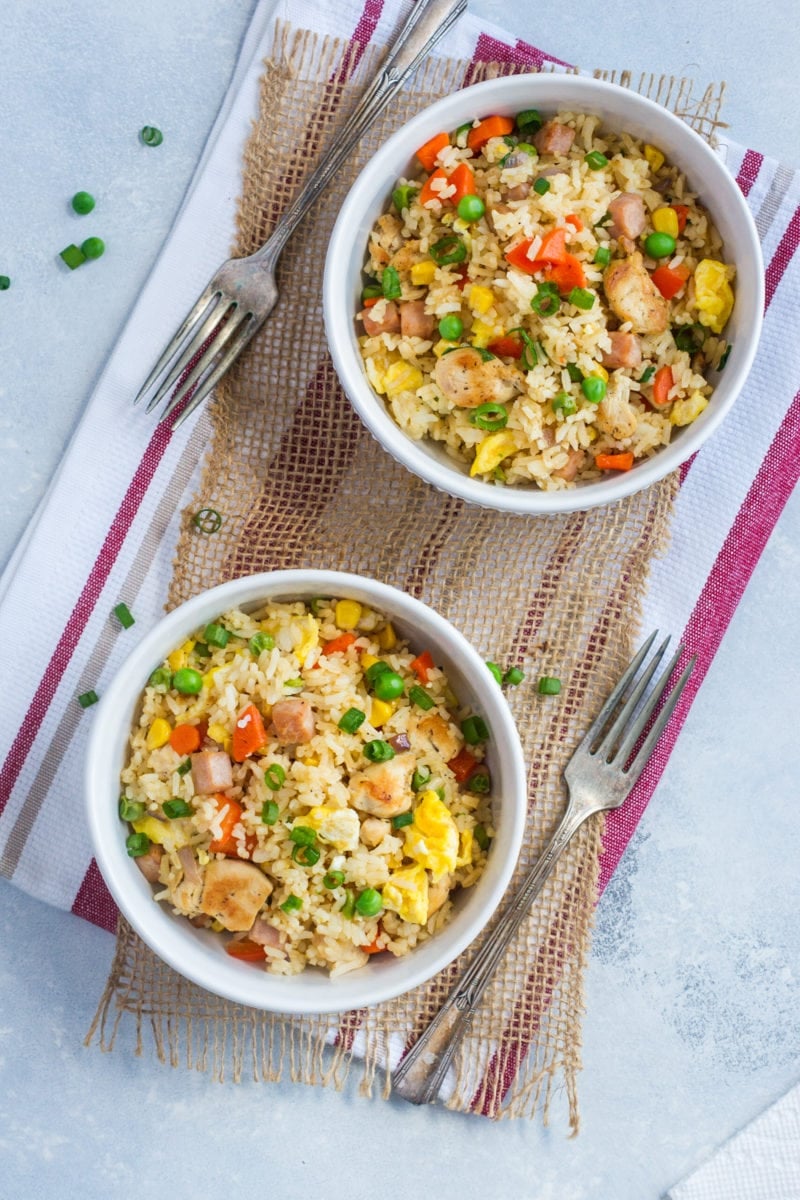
(173, 346)
(219, 338)
(638, 726)
(616, 730)
(638, 764)
(199, 337)
(245, 330)
(596, 727)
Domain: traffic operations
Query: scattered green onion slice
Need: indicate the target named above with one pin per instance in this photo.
(602, 255)
(348, 909)
(161, 679)
(481, 836)
(388, 685)
(440, 793)
(480, 781)
(201, 651)
(689, 337)
(372, 291)
(294, 683)
(575, 373)
(594, 388)
(563, 403)
(83, 203)
(130, 810)
(291, 904)
(176, 807)
(188, 682)
(529, 120)
(647, 374)
(496, 671)
(726, 353)
(529, 357)
(402, 819)
(260, 642)
(93, 247)
(595, 161)
(333, 879)
(378, 668)
(302, 835)
(402, 196)
(184, 768)
(318, 603)
(606, 219)
(489, 416)
(124, 615)
(420, 778)
(352, 719)
(549, 685)
(542, 187)
(449, 249)
(451, 327)
(73, 256)
(486, 355)
(462, 133)
(470, 208)
(369, 903)
(420, 697)
(137, 844)
(151, 135)
(581, 298)
(547, 301)
(499, 474)
(274, 777)
(475, 730)
(216, 635)
(378, 751)
(270, 812)
(390, 283)
(207, 520)
(513, 676)
(306, 856)
(5, 283)
(87, 699)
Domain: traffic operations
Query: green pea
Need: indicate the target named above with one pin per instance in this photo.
(187, 682)
(471, 208)
(93, 247)
(451, 328)
(83, 202)
(659, 245)
(388, 685)
(594, 388)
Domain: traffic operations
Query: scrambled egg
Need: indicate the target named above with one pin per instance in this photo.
(713, 294)
(339, 826)
(169, 834)
(309, 640)
(407, 893)
(432, 839)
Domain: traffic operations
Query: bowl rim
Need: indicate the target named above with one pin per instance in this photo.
(167, 937)
(371, 409)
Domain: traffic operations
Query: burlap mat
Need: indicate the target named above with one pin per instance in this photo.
(300, 483)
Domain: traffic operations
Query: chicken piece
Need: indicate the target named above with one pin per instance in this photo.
(294, 721)
(575, 460)
(634, 297)
(438, 893)
(626, 351)
(629, 215)
(554, 138)
(388, 227)
(373, 831)
(388, 323)
(211, 772)
(265, 934)
(520, 192)
(466, 380)
(414, 321)
(150, 863)
(405, 258)
(384, 789)
(233, 893)
(440, 736)
(185, 895)
(616, 416)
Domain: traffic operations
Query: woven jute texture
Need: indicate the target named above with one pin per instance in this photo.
(301, 484)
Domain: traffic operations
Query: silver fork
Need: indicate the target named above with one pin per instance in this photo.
(243, 293)
(599, 776)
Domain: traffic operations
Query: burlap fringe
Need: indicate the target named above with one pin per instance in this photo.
(572, 587)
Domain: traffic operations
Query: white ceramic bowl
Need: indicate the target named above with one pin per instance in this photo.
(199, 954)
(619, 109)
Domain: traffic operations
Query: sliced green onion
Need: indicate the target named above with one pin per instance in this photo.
(499, 474)
(563, 403)
(647, 374)
(602, 255)
(420, 778)
(274, 777)
(489, 416)
(369, 903)
(176, 807)
(131, 810)
(377, 668)
(372, 291)
(575, 373)
(306, 856)
(689, 337)
(207, 520)
(403, 195)
(549, 685)
(606, 219)
(595, 161)
(83, 203)
(184, 768)
(513, 676)
(333, 879)
(73, 256)
(5, 283)
(123, 615)
(260, 642)
(161, 679)
(87, 699)
(318, 603)
(440, 793)
(378, 751)
(352, 719)
(151, 135)
(449, 249)
(547, 301)
(726, 353)
(481, 836)
(542, 187)
(420, 697)
(486, 355)
(594, 388)
(581, 298)
(302, 835)
(137, 844)
(292, 903)
(390, 283)
(270, 812)
(293, 683)
(348, 909)
(201, 651)
(475, 730)
(93, 247)
(529, 357)
(462, 133)
(188, 682)
(402, 819)
(216, 635)
(480, 781)
(496, 671)
(388, 685)
(529, 120)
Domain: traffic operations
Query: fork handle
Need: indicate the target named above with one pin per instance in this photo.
(421, 1073)
(428, 21)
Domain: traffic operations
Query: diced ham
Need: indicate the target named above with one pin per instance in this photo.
(233, 893)
(266, 935)
(571, 467)
(211, 772)
(414, 321)
(634, 297)
(629, 215)
(388, 323)
(554, 138)
(294, 721)
(626, 351)
(520, 192)
(150, 863)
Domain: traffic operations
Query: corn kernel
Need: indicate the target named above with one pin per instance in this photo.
(665, 220)
(441, 346)
(179, 657)
(158, 734)
(387, 638)
(218, 733)
(203, 857)
(600, 371)
(169, 834)
(347, 613)
(380, 712)
(423, 273)
(654, 157)
(368, 660)
(482, 334)
(312, 760)
(491, 452)
(208, 678)
(402, 376)
(217, 926)
(481, 298)
(374, 375)
(465, 848)
(687, 410)
(460, 225)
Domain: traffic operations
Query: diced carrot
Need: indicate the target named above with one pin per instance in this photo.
(249, 733)
(463, 764)
(566, 275)
(490, 127)
(427, 192)
(368, 303)
(553, 248)
(662, 383)
(682, 213)
(185, 739)
(339, 644)
(575, 222)
(518, 257)
(505, 347)
(614, 462)
(427, 153)
(226, 843)
(463, 181)
(422, 664)
(373, 947)
(245, 950)
(463, 276)
(670, 280)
